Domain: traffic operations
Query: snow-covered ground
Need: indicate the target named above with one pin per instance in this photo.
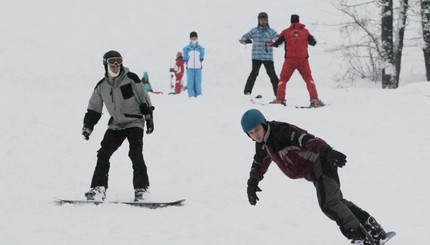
(51, 60)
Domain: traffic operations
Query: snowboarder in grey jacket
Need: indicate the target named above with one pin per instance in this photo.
(130, 107)
(262, 53)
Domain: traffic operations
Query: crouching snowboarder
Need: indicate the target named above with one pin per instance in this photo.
(302, 155)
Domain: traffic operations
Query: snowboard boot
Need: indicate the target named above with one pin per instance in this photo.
(361, 239)
(316, 103)
(97, 193)
(361, 242)
(375, 229)
(276, 101)
(357, 237)
(139, 194)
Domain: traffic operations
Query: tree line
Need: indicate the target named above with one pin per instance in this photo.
(372, 45)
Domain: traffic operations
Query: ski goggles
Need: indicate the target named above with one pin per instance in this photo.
(114, 61)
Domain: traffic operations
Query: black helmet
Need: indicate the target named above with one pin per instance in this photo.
(110, 54)
(263, 15)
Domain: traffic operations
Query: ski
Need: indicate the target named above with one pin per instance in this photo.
(151, 205)
(310, 107)
(256, 99)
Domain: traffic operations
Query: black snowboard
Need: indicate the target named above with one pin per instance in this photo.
(152, 205)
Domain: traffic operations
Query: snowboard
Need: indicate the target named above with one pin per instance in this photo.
(151, 205)
(390, 235)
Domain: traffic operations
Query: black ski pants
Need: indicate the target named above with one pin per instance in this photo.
(346, 214)
(111, 142)
(270, 70)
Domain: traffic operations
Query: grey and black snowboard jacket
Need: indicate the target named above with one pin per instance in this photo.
(125, 99)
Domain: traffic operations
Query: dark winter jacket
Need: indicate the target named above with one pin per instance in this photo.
(290, 147)
(296, 39)
(123, 97)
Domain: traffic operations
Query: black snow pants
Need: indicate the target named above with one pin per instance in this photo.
(111, 142)
(270, 70)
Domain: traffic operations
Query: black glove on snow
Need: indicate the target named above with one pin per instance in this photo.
(149, 124)
(333, 157)
(252, 191)
(86, 132)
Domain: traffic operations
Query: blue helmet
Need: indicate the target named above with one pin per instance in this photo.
(251, 119)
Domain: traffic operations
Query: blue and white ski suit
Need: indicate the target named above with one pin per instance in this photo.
(193, 56)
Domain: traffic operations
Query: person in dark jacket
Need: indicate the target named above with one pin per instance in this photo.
(130, 107)
(300, 154)
(296, 39)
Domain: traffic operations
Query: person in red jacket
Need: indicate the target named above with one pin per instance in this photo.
(178, 69)
(300, 154)
(296, 39)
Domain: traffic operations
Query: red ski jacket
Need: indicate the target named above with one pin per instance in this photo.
(179, 67)
(290, 147)
(296, 39)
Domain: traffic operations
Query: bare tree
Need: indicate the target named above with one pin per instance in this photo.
(360, 49)
(399, 38)
(387, 56)
(383, 51)
(392, 41)
(425, 22)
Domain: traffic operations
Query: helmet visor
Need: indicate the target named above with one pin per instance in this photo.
(114, 61)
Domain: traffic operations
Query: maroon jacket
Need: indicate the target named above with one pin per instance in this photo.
(290, 147)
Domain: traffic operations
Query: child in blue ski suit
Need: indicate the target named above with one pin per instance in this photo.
(193, 55)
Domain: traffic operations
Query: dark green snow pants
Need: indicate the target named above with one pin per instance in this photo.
(346, 214)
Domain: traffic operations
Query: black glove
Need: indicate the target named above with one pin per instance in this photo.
(245, 41)
(146, 110)
(86, 132)
(149, 124)
(252, 191)
(333, 157)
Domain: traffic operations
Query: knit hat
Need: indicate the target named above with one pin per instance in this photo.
(251, 119)
(193, 34)
(295, 18)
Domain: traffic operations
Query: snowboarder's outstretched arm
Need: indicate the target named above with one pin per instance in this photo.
(259, 167)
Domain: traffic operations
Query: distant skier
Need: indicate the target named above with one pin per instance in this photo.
(178, 70)
(262, 53)
(194, 55)
(129, 106)
(146, 83)
(296, 39)
(302, 155)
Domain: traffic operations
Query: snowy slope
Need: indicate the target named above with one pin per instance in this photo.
(51, 60)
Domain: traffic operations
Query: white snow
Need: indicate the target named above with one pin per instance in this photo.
(51, 53)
